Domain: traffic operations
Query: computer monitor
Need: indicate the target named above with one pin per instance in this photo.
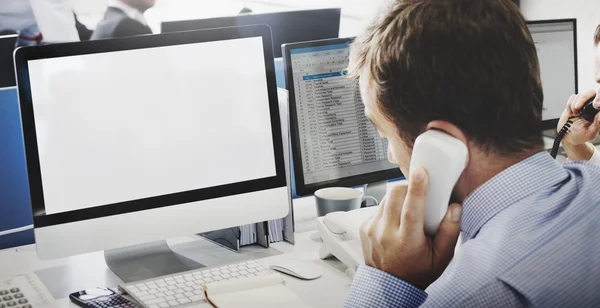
(15, 220)
(287, 27)
(7, 68)
(333, 142)
(141, 139)
(556, 44)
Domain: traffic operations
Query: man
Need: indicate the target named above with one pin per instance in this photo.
(123, 18)
(529, 225)
(576, 142)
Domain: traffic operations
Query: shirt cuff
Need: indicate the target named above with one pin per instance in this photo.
(596, 156)
(375, 288)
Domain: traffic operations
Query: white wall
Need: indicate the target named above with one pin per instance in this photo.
(587, 13)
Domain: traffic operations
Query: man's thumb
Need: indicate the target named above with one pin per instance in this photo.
(445, 239)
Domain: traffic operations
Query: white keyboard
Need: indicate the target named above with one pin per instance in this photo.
(24, 291)
(187, 288)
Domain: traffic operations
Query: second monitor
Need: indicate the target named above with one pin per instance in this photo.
(286, 27)
(333, 142)
(556, 44)
(7, 66)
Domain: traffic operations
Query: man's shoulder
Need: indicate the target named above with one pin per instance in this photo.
(117, 24)
(558, 250)
(562, 271)
(570, 204)
(585, 178)
(106, 27)
(120, 28)
(574, 195)
(131, 27)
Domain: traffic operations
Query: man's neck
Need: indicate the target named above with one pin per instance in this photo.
(481, 168)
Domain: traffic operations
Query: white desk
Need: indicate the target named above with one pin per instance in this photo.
(72, 274)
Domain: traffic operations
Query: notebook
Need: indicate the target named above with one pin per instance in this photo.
(266, 291)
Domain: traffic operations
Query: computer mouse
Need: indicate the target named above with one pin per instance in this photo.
(298, 268)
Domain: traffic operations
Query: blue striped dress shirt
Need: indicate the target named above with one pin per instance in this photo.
(531, 238)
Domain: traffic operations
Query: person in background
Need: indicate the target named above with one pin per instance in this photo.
(528, 224)
(577, 142)
(123, 18)
(39, 21)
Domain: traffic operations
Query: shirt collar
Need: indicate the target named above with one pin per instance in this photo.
(130, 11)
(520, 180)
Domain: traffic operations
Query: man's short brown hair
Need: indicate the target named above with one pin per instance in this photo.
(597, 36)
(470, 62)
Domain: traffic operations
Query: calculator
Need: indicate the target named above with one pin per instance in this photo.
(101, 298)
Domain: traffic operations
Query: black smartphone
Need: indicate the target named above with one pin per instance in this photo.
(101, 298)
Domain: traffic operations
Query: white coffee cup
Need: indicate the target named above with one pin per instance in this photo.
(335, 199)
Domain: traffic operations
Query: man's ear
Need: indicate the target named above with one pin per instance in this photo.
(449, 128)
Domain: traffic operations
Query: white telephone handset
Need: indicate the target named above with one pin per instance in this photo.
(444, 158)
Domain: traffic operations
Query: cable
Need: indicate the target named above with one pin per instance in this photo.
(561, 135)
(588, 112)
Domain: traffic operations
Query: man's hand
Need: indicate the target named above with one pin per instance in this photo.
(393, 240)
(581, 131)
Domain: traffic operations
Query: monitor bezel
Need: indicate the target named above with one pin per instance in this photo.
(551, 124)
(25, 54)
(303, 189)
(8, 80)
(176, 25)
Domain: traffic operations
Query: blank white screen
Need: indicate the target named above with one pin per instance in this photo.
(555, 46)
(126, 125)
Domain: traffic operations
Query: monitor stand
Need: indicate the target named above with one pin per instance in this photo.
(146, 261)
(376, 190)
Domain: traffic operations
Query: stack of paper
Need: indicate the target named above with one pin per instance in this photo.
(247, 234)
(276, 230)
